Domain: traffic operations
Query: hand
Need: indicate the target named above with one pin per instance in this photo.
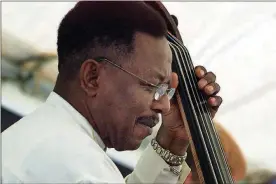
(172, 134)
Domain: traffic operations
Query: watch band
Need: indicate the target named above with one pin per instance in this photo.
(176, 170)
(170, 158)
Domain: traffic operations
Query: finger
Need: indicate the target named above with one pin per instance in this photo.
(212, 89)
(163, 104)
(173, 100)
(207, 79)
(174, 80)
(215, 102)
(200, 71)
(213, 112)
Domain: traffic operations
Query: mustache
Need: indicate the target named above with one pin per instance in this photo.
(149, 121)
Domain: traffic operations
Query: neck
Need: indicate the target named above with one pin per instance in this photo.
(70, 92)
(78, 100)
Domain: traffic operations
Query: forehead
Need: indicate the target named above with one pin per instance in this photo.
(152, 56)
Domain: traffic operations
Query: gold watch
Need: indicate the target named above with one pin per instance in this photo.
(170, 158)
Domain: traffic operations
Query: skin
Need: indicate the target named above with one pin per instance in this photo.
(116, 103)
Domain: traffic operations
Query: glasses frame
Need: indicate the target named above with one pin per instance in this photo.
(161, 89)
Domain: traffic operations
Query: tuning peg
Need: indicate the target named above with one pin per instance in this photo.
(175, 19)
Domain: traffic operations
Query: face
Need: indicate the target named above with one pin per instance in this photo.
(123, 107)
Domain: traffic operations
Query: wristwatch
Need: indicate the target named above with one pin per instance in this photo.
(170, 158)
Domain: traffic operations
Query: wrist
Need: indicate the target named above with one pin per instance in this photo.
(170, 158)
(176, 146)
(179, 146)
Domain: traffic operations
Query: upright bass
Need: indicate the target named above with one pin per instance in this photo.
(205, 146)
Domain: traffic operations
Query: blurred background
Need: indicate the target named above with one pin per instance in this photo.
(235, 40)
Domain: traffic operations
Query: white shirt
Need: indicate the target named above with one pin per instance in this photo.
(56, 144)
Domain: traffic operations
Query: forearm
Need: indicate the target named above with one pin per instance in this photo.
(172, 134)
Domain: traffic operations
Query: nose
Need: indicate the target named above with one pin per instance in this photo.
(162, 105)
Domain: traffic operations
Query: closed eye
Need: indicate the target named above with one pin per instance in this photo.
(148, 87)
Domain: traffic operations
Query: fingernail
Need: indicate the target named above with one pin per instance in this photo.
(213, 100)
(202, 83)
(210, 89)
(202, 72)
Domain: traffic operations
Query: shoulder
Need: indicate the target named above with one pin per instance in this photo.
(37, 152)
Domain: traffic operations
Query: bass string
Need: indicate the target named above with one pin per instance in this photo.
(198, 102)
(199, 95)
(202, 107)
(216, 141)
(203, 140)
(204, 121)
(217, 144)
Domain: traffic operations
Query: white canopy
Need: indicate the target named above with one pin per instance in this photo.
(236, 40)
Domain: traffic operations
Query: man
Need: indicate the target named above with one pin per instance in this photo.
(114, 78)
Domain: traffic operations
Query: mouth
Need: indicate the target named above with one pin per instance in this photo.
(149, 121)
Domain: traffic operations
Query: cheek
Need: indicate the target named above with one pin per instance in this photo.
(124, 102)
(134, 98)
(139, 101)
(132, 106)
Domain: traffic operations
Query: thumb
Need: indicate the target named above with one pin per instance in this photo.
(174, 80)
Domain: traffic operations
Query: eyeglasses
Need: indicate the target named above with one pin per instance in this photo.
(161, 89)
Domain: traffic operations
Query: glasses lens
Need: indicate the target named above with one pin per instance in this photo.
(171, 93)
(156, 96)
(161, 90)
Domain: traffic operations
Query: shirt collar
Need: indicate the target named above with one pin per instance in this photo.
(56, 100)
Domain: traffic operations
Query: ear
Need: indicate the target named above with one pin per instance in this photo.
(89, 75)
